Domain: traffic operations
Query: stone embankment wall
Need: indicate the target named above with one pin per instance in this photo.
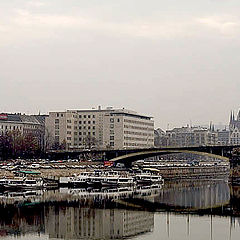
(48, 173)
(168, 173)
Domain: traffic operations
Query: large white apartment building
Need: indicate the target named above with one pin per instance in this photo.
(106, 128)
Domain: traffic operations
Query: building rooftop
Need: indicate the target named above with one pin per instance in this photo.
(22, 118)
(108, 110)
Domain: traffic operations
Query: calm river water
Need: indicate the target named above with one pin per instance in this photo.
(177, 211)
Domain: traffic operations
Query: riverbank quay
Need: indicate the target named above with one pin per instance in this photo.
(168, 173)
(48, 173)
(196, 172)
(50, 170)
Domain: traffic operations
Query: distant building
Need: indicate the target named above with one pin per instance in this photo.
(25, 124)
(160, 138)
(234, 128)
(186, 137)
(223, 137)
(100, 128)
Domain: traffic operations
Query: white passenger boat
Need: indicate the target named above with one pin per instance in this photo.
(3, 182)
(110, 181)
(14, 183)
(143, 179)
(148, 178)
(125, 181)
(23, 183)
(95, 181)
(156, 179)
(98, 179)
(33, 183)
(79, 181)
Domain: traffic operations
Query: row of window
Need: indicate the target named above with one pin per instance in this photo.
(75, 133)
(139, 122)
(85, 127)
(136, 144)
(11, 127)
(75, 139)
(138, 139)
(112, 120)
(138, 128)
(138, 133)
(76, 122)
(18, 127)
(86, 122)
(82, 133)
(75, 116)
(86, 116)
(59, 115)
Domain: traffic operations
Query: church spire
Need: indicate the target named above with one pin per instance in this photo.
(238, 116)
(231, 117)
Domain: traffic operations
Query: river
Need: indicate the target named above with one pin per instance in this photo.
(194, 210)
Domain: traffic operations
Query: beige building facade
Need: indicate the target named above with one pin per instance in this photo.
(100, 128)
(25, 124)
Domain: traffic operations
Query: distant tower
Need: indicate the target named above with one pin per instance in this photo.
(231, 118)
(210, 127)
(231, 122)
(238, 116)
(234, 127)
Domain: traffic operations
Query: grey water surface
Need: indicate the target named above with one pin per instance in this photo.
(191, 210)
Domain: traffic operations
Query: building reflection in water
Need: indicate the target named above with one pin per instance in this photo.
(21, 221)
(196, 195)
(75, 223)
(71, 220)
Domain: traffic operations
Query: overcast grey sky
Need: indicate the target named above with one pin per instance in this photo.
(178, 61)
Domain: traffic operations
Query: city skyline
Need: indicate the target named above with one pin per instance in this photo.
(174, 60)
(190, 123)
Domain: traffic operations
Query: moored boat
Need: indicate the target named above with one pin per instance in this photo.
(3, 181)
(110, 181)
(14, 183)
(33, 184)
(23, 183)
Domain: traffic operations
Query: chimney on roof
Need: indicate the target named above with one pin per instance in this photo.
(99, 107)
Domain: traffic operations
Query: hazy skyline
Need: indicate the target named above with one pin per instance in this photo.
(174, 60)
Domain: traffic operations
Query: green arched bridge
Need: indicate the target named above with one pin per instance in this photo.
(130, 155)
(144, 154)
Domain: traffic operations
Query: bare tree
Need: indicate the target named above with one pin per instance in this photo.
(89, 142)
(14, 144)
(30, 145)
(48, 140)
